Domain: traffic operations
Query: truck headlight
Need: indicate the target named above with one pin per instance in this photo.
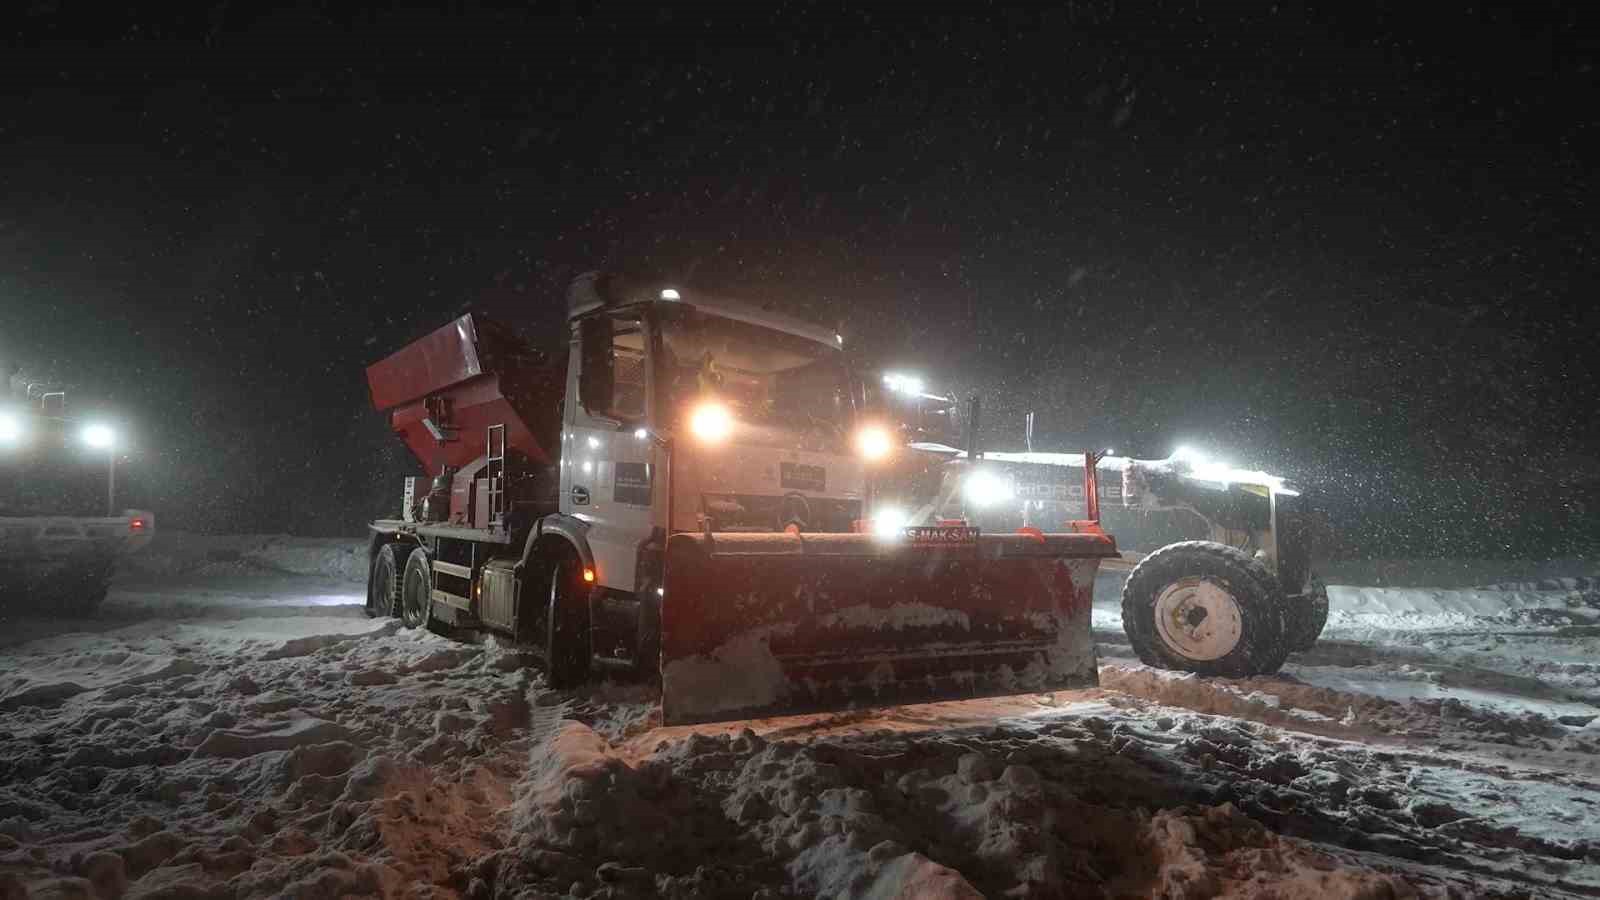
(874, 443)
(983, 488)
(100, 437)
(710, 422)
(11, 429)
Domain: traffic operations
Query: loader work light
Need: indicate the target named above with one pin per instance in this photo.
(890, 523)
(903, 384)
(985, 488)
(100, 437)
(710, 423)
(873, 442)
(11, 429)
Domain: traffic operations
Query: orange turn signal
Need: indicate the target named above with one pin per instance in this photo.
(588, 574)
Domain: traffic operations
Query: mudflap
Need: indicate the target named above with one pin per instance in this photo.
(757, 625)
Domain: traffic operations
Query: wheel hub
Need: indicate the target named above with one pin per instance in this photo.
(1199, 619)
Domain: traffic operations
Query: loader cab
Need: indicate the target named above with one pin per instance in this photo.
(920, 416)
(703, 414)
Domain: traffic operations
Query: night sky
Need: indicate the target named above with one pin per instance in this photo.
(1354, 246)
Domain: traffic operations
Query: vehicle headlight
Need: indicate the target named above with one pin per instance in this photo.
(710, 422)
(100, 437)
(11, 429)
(889, 522)
(982, 488)
(874, 442)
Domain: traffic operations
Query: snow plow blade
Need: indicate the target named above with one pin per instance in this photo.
(756, 625)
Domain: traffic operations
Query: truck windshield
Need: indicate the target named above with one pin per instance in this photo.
(794, 391)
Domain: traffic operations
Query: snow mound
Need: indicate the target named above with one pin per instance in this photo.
(32, 681)
(1583, 583)
(1410, 609)
(311, 643)
(955, 815)
(1450, 573)
(237, 744)
(183, 553)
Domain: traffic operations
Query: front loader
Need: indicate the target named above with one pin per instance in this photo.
(1224, 585)
(677, 490)
(63, 531)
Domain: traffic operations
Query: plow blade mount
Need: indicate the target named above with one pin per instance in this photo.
(759, 625)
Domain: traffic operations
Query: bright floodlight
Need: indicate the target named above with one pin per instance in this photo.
(100, 437)
(1188, 454)
(640, 433)
(670, 294)
(985, 488)
(710, 422)
(902, 384)
(873, 442)
(10, 428)
(889, 523)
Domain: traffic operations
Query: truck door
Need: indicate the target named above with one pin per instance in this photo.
(607, 471)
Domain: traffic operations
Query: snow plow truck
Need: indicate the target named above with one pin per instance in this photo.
(677, 487)
(61, 531)
(1223, 582)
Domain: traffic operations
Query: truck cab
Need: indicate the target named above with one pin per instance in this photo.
(697, 413)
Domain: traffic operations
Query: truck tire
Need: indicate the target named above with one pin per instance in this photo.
(383, 584)
(566, 638)
(1308, 615)
(416, 590)
(1204, 607)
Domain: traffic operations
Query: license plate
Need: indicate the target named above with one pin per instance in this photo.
(942, 535)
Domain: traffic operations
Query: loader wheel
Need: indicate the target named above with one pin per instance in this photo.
(82, 597)
(566, 643)
(383, 586)
(1204, 607)
(1308, 615)
(416, 590)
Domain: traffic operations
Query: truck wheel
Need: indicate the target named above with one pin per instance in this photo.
(566, 643)
(383, 586)
(1204, 607)
(1308, 616)
(416, 590)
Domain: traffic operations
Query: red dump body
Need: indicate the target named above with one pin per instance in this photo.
(461, 379)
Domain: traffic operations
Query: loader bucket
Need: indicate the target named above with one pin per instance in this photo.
(758, 625)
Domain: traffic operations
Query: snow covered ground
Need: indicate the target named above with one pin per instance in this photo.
(234, 726)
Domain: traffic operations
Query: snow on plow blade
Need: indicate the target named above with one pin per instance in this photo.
(769, 624)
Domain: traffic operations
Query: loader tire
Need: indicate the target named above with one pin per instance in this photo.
(416, 590)
(1204, 607)
(82, 599)
(1308, 615)
(79, 593)
(566, 637)
(383, 584)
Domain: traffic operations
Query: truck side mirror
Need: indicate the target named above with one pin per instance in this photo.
(596, 373)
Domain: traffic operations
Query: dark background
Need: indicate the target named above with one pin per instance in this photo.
(1352, 245)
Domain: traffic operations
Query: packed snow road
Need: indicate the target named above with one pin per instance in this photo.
(232, 725)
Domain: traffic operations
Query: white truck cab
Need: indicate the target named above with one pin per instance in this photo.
(751, 410)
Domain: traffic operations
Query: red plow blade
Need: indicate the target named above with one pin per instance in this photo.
(759, 625)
